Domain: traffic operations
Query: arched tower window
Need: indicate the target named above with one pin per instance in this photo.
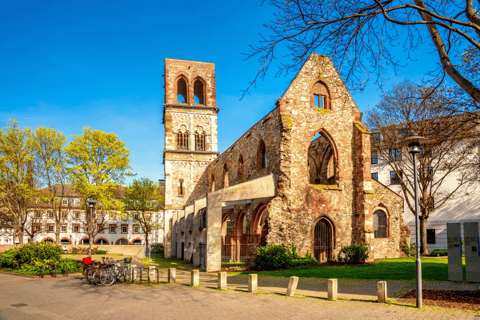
(322, 163)
(225, 176)
(379, 224)
(199, 97)
(182, 140)
(262, 156)
(321, 96)
(182, 91)
(200, 141)
(240, 168)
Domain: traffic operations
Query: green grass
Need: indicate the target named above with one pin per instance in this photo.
(160, 262)
(392, 269)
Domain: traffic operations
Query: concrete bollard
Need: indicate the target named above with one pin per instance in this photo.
(292, 286)
(332, 289)
(382, 291)
(252, 283)
(222, 280)
(195, 281)
(172, 275)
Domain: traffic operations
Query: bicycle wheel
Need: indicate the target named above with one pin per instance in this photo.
(89, 275)
(107, 277)
(96, 276)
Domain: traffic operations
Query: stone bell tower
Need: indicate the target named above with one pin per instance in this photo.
(190, 119)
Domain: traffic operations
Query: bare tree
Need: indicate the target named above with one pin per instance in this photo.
(449, 154)
(359, 36)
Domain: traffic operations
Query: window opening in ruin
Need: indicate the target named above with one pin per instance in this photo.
(322, 164)
(244, 225)
(182, 140)
(240, 168)
(212, 184)
(262, 155)
(379, 224)
(375, 176)
(200, 141)
(374, 157)
(198, 92)
(181, 189)
(225, 176)
(181, 91)
(229, 226)
(321, 96)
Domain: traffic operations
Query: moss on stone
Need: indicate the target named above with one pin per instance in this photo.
(360, 126)
(287, 121)
(322, 111)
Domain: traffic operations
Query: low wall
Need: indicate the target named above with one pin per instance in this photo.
(6, 247)
(126, 250)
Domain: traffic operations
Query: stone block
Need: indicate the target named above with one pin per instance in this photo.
(292, 286)
(332, 289)
(382, 291)
(172, 275)
(222, 280)
(252, 283)
(195, 279)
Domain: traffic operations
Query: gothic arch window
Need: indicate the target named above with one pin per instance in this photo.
(240, 168)
(182, 140)
(262, 155)
(198, 92)
(182, 93)
(225, 176)
(244, 224)
(322, 160)
(200, 141)
(379, 224)
(321, 96)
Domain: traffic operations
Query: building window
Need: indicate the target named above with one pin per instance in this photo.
(181, 188)
(374, 157)
(50, 228)
(182, 91)
(379, 224)
(182, 140)
(136, 229)
(63, 228)
(38, 214)
(198, 93)
(395, 154)
(200, 141)
(113, 229)
(431, 236)
(394, 178)
(240, 168)
(375, 176)
(225, 175)
(262, 155)
(124, 228)
(76, 228)
(64, 215)
(321, 96)
(64, 202)
(37, 227)
(375, 139)
(76, 215)
(50, 214)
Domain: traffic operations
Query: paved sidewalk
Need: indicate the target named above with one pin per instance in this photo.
(72, 298)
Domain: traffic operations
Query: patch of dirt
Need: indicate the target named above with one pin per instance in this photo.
(462, 300)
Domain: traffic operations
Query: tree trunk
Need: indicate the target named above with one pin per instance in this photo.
(423, 236)
(146, 242)
(20, 237)
(57, 236)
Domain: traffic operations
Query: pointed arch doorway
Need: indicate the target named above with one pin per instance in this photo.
(323, 240)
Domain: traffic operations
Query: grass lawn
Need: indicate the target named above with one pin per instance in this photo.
(169, 263)
(392, 269)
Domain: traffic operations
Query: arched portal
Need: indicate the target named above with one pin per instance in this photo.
(322, 161)
(260, 224)
(323, 240)
(241, 226)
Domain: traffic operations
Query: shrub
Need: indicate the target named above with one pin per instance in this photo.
(409, 250)
(157, 249)
(29, 253)
(354, 253)
(271, 257)
(442, 252)
(101, 252)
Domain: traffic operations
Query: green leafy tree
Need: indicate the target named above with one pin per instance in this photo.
(52, 174)
(17, 190)
(98, 164)
(143, 203)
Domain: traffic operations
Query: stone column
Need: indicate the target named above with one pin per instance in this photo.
(292, 286)
(195, 278)
(252, 283)
(332, 289)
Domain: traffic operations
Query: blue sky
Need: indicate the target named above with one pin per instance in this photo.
(99, 64)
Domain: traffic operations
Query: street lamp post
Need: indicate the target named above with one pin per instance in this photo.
(91, 203)
(413, 142)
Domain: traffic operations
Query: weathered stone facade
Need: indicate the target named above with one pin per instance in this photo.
(318, 149)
